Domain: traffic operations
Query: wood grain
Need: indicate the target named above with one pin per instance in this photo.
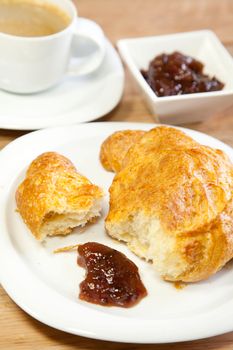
(119, 19)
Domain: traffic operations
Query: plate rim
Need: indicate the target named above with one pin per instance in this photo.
(151, 335)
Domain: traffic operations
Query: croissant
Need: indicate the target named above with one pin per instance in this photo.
(54, 198)
(172, 203)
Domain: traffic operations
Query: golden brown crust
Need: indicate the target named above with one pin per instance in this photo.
(115, 147)
(53, 185)
(188, 187)
(158, 139)
(206, 258)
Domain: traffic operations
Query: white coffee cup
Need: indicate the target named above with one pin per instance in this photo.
(34, 64)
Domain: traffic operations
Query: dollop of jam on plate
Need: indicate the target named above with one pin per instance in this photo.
(177, 74)
(111, 278)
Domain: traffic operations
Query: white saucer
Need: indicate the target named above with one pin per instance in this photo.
(74, 100)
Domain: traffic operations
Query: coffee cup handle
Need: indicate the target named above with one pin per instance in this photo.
(87, 48)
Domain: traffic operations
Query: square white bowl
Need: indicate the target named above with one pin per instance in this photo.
(204, 46)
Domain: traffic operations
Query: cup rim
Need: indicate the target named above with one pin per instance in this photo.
(45, 37)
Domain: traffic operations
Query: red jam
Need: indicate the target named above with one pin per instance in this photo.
(177, 74)
(111, 278)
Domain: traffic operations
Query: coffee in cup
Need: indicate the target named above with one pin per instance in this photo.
(31, 18)
(38, 38)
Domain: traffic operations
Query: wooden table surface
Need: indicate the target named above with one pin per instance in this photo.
(119, 19)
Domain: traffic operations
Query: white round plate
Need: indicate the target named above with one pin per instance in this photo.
(46, 285)
(74, 100)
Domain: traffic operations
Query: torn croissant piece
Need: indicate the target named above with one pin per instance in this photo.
(54, 198)
(172, 203)
(115, 147)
